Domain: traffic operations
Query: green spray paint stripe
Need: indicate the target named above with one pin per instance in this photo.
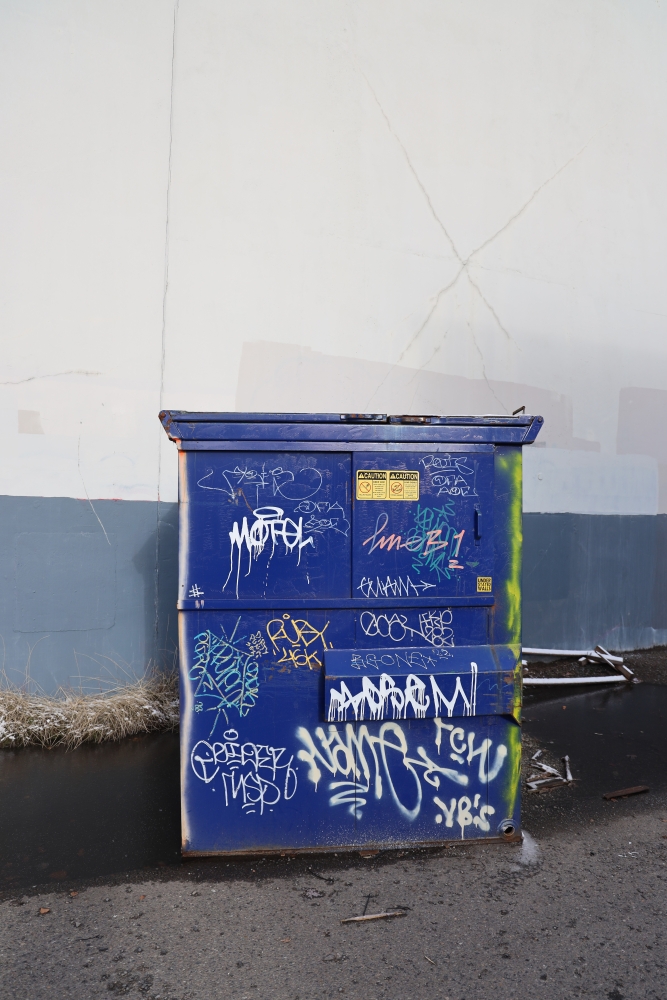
(509, 465)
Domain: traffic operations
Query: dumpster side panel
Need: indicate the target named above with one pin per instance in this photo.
(261, 770)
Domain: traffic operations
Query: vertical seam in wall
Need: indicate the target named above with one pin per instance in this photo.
(164, 321)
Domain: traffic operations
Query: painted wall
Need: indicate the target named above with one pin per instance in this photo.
(405, 207)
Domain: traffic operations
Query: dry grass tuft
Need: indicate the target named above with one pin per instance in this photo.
(72, 719)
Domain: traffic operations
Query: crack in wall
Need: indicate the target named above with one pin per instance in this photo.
(33, 378)
(490, 308)
(465, 262)
(411, 168)
(484, 375)
(78, 462)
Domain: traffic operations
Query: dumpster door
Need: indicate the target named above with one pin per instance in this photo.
(423, 534)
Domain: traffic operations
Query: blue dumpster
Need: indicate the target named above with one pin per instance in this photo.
(350, 628)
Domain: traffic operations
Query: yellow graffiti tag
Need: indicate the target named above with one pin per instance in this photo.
(292, 638)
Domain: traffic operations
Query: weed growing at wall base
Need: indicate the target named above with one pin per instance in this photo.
(72, 719)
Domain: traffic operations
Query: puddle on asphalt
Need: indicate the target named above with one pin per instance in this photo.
(103, 810)
(615, 738)
(93, 811)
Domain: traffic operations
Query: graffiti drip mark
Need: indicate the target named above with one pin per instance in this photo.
(269, 524)
(253, 773)
(376, 701)
(226, 675)
(292, 638)
(373, 701)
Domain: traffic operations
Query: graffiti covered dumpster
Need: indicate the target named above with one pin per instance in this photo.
(350, 629)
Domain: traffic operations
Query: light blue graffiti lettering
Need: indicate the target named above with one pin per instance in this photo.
(430, 537)
(226, 674)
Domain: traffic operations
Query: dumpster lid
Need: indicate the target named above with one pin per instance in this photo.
(516, 429)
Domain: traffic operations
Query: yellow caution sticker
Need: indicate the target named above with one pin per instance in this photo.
(483, 584)
(387, 484)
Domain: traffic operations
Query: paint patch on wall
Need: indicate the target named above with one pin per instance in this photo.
(557, 480)
(290, 378)
(30, 422)
(642, 418)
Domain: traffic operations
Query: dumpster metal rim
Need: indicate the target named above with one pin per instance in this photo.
(250, 444)
(335, 603)
(410, 845)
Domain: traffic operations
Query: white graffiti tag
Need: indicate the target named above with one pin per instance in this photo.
(256, 774)
(281, 482)
(365, 765)
(393, 587)
(378, 701)
(433, 627)
(269, 524)
(464, 816)
(324, 516)
(373, 700)
(451, 475)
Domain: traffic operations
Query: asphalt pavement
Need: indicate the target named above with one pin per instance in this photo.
(577, 910)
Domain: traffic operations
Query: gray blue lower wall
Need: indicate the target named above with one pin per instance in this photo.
(87, 597)
(590, 578)
(85, 602)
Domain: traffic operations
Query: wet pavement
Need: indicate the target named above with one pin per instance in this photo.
(95, 902)
(110, 809)
(88, 813)
(615, 737)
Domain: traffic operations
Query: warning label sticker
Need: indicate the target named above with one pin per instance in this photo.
(483, 584)
(387, 484)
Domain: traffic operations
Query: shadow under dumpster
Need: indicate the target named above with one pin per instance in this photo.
(106, 810)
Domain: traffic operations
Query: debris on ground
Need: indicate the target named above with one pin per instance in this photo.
(541, 776)
(624, 792)
(558, 666)
(374, 916)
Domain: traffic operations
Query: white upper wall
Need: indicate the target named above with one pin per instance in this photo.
(425, 206)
